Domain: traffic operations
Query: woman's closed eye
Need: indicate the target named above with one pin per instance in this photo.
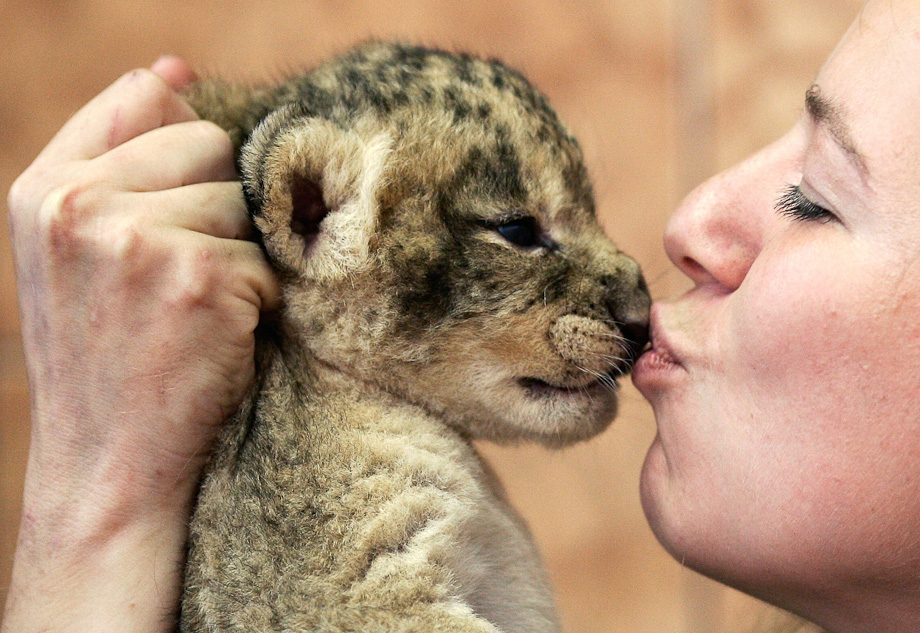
(793, 204)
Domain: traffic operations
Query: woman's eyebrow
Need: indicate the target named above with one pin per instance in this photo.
(827, 113)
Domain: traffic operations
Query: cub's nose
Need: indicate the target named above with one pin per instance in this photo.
(628, 302)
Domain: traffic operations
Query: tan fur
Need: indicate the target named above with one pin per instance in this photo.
(345, 495)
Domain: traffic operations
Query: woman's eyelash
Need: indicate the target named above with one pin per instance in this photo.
(793, 204)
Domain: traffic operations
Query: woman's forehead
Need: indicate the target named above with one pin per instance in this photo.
(892, 10)
(884, 34)
(872, 82)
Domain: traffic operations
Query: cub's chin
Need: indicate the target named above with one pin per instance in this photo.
(557, 415)
(529, 409)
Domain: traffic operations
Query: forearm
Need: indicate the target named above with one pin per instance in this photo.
(99, 548)
(89, 572)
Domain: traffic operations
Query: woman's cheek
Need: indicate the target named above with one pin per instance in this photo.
(799, 310)
(813, 332)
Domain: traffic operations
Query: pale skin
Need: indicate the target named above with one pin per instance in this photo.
(138, 297)
(786, 383)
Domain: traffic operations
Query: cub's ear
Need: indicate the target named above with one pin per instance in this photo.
(312, 187)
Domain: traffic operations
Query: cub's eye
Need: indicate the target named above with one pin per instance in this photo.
(524, 232)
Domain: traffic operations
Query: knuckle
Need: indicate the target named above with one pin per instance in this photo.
(199, 279)
(191, 295)
(20, 202)
(125, 241)
(21, 194)
(31, 187)
(63, 214)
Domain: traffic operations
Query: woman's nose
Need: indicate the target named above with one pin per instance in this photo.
(718, 231)
(710, 237)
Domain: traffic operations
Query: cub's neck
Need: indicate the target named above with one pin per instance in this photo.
(296, 387)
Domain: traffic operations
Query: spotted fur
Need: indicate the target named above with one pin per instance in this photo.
(445, 279)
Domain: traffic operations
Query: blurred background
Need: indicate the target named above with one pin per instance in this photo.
(661, 93)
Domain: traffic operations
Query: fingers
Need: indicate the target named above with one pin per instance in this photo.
(175, 71)
(139, 149)
(168, 157)
(217, 215)
(138, 102)
(212, 208)
(240, 268)
(258, 277)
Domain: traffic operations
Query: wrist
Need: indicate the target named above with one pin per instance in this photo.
(100, 474)
(83, 573)
(102, 536)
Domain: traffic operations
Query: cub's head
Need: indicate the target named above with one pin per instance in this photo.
(435, 230)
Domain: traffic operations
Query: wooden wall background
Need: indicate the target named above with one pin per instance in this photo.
(662, 93)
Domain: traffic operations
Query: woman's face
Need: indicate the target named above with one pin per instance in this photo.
(786, 383)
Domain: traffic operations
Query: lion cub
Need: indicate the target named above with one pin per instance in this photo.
(445, 279)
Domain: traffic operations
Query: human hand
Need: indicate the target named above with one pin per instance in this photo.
(139, 297)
